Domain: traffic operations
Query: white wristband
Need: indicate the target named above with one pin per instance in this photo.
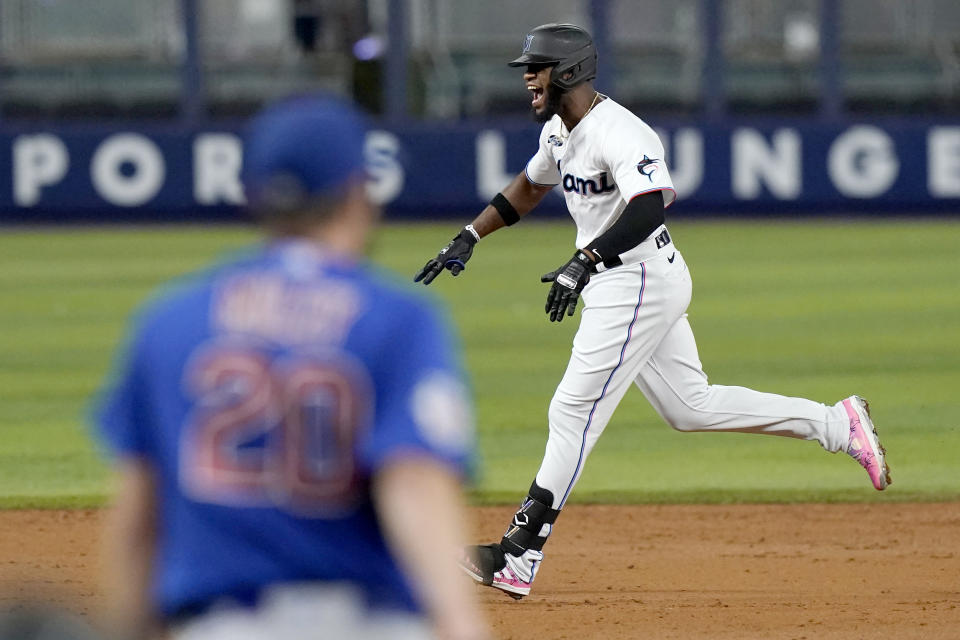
(473, 231)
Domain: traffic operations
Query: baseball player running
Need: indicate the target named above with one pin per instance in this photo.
(284, 470)
(635, 287)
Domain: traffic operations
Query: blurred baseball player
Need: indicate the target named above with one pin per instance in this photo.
(290, 427)
(636, 289)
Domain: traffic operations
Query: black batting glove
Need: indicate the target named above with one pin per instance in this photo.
(568, 281)
(454, 257)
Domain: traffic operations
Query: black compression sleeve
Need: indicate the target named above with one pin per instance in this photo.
(639, 219)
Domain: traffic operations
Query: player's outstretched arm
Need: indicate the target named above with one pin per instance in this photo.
(506, 208)
(420, 507)
(128, 552)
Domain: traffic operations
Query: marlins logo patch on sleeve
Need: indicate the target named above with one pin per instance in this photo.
(647, 166)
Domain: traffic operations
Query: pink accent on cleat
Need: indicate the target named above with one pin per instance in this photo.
(506, 580)
(864, 446)
(489, 568)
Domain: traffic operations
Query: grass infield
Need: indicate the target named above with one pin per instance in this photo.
(812, 308)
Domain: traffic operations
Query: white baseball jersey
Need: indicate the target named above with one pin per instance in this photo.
(609, 157)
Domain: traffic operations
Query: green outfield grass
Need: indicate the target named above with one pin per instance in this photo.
(820, 309)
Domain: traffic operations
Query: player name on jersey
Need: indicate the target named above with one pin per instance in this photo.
(273, 309)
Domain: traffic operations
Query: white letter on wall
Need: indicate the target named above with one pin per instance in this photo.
(684, 152)
(143, 156)
(943, 162)
(492, 173)
(38, 161)
(863, 162)
(778, 166)
(381, 151)
(217, 159)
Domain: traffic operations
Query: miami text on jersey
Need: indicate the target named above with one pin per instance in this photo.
(585, 185)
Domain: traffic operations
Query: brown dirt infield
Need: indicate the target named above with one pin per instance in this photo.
(719, 572)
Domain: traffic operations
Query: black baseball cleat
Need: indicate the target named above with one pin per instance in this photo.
(487, 564)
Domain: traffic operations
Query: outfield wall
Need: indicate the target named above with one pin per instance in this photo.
(141, 171)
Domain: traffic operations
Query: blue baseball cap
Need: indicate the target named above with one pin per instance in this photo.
(311, 144)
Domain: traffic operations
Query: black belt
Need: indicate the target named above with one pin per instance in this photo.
(662, 240)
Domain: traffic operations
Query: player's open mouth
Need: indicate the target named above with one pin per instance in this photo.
(538, 93)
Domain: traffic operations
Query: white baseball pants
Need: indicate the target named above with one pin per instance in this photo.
(308, 611)
(634, 329)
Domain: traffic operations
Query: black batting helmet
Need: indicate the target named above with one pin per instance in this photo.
(567, 46)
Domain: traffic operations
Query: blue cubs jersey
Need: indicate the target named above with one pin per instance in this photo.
(266, 393)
